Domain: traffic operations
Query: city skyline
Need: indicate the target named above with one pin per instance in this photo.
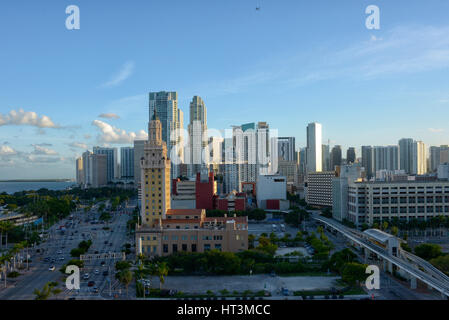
(79, 94)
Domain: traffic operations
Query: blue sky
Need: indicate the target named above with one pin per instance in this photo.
(290, 63)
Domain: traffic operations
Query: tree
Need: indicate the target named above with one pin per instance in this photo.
(122, 265)
(251, 238)
(353, 272)
(162, 272)
(394, 230)
(428, 251)
(442, 263)
(125, 277)
(48, 290)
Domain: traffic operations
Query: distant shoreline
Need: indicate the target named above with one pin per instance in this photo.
(38, 180)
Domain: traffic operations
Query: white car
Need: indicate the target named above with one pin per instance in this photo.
(52, 268)
(97, 271)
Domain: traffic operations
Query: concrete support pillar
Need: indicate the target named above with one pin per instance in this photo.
(413, 282)
(366, 254)
(384, 264)
(390, 267)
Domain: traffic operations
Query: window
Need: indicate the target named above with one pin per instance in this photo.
(175, 248)
(184, 247)
(218, 246)
(206, 247)
(184, 238)
(165, 248)
(193, 247)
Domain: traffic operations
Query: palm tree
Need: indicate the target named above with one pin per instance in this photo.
(6, 227)
(48, 290)
(125, 277)
(162, 272)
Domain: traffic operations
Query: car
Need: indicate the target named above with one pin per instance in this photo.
(103, 263)
(96, 251)
(59, 251)
(110, 244)
(91, 283)
(96, 290)
(86, 276)
(52, 268)
(61, 258)
(106, 242)
(47, 259)
(97, 271)
(105, 273)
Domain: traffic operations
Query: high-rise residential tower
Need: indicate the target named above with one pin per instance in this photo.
(112, 160)
(197, 135)
(127, 162)
(406, 155)
(166, 106)
(286, 148)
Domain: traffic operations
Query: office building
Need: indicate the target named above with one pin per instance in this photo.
(319, 188)
(350, 155)
(326, 157)
(271, 187)
(336, 159)
(367, 161)
(370, 202)
(314, 148)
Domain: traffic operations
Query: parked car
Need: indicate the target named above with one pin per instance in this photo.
(91, 283)
(52, 268)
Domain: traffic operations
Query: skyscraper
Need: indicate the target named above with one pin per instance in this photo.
(286, 148)
(127, 162)
(326, 158)
(314, 147)
(138, 155)
(197, 135)
(350, 155)
(385, 158)
(367, 161)
(406, 155)
(335, 157)
(79, 171)
(166, 106)
(419, 158)
(111, 154)
(155, 177)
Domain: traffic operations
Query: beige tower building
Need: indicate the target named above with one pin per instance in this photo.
(164, 231)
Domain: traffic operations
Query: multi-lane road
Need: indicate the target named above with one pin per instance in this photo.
(57, 248)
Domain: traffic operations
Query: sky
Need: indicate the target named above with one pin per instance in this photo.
(290, 63)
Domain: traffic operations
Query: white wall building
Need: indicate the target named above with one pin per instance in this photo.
(314, 147)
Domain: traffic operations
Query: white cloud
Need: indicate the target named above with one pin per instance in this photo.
(34, 159)
(122, 75)
(29, 118)
(39, 150)
(7, 151)
(113, 135)
(436, 130)
(78, 145)
(109, 116)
